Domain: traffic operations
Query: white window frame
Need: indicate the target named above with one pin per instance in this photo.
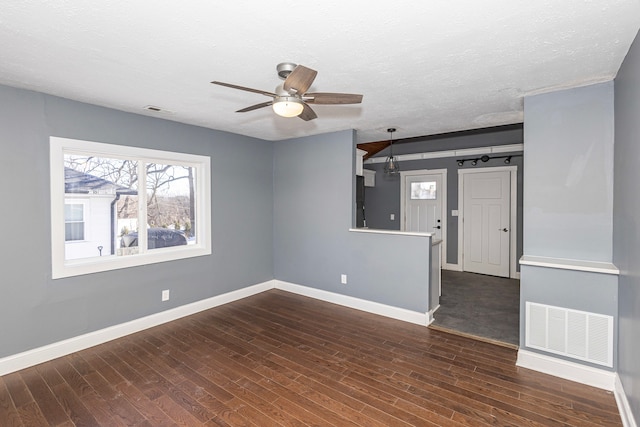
(67, 268)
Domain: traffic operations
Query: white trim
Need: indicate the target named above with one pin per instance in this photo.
(430, 317)
(357, 303)
(513, 244)
(443, 202)
(396, 232)
(510, 148)
(570, 264)
(415, 156)
(458, 267)
(67, 268)
(513, 247)
(452, 267)
(526, 359)
(507, 148)
(52, 351)
(38, 355)
(565, 369)
(623, 404)
(359, 159)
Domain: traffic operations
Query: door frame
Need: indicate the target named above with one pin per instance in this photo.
(443, 205)
(513, 243)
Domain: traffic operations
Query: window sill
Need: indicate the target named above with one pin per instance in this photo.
(111, 262)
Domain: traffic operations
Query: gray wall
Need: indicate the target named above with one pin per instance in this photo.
(568, 206)
(568, 190)
(313, 211)
(384, 199)
(35, 310)
(626, 222)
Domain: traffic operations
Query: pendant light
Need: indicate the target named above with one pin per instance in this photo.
(391, 166)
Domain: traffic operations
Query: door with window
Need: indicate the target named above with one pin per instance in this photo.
(423, 201)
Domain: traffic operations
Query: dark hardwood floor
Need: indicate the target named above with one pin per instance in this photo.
(279, 359)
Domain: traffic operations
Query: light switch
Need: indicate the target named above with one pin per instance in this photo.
(392, 217)
(454, 212)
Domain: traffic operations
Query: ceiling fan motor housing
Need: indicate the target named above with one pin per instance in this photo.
(285, 68)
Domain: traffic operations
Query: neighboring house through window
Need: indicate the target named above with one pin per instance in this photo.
(102, 220)
(73, 222)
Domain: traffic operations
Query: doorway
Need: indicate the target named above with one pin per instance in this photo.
(481, 299)
(488, 221)
(481, 306)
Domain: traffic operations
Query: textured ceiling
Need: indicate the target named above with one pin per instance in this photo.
(424, 67)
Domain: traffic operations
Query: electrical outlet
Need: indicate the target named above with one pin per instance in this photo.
(165, 295)
(343, 279)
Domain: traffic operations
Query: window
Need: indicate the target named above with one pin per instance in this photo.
(425, 190)
(73, 222)
(120, 206)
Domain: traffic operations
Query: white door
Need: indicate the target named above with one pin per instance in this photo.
(423, 196)
(486, 222)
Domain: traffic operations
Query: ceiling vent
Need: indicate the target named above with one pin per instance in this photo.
(156, 109)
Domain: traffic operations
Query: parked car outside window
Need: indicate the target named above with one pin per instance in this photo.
(156, 238)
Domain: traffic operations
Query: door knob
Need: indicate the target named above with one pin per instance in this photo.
(437, 226)
(503, 229)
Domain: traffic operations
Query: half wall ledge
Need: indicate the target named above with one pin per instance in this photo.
(396, 232)
(570, 264)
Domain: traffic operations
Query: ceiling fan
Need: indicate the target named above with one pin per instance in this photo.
(291, 98)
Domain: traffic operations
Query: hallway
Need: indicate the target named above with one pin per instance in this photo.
(484, 306)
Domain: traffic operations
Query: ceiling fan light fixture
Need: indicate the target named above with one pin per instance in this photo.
(287, 106)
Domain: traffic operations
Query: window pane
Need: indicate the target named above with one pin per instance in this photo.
(127, 224)
(170, 205)
(425, 190)
(74, 231)
(104, 181)
(92, 227)
(73, 212)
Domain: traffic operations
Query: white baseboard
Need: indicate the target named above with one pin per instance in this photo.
(38, 355)
(452, 267)
(430, 318)
(357, 303)
(568, 370)
(458, 267)
(558, 367)
(623, 404)
(45, 353)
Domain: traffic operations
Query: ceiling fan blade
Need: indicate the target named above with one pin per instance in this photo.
(307, 113)
(248, 89)
(255, 107)
(300, 80)
(332, 98)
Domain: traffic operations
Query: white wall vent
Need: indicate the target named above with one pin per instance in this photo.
(572, 333)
